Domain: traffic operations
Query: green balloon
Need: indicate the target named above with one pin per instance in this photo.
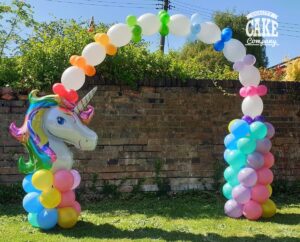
(136, 38)
(164, 30)
(136, 30)
(162, 12)
(258, 130)
(165, 18)
(246, 145)
(131, 20)
(32, 219)
(227, 189)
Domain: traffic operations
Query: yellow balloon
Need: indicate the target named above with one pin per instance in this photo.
(270, 189)
(269, 209)
(67, 217)
(42, 179)
(231, 123)
(50, 198)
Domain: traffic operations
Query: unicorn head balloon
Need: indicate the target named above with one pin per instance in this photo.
(51, 122)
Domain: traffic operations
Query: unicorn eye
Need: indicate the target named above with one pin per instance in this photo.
(60, 120)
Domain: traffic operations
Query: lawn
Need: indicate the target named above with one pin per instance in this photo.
(180, 218)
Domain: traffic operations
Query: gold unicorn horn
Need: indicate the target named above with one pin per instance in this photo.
(82, 104)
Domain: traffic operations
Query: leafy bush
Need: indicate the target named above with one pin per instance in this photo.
(293, 71)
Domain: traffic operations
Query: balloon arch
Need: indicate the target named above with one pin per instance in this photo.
(53, 120)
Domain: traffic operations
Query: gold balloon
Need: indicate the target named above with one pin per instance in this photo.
(269, 209)
(50, 198)
(67, 217)
(231, 123)
(270, 189)
(42, 179)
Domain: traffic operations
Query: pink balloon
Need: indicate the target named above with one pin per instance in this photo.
(233, 209)
(243, 92)
(247, 177)
(77, 179)
(67, 199)
(251, 91)
(264, 176)
(260, 193)
(77, 207)
(271, 130)
(252, 210)
(263, 145)
(269, 160)
(63, 180)
(255, 160)
(241, 194)
(262, 90)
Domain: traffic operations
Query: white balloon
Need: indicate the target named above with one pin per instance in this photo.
(73, 78)
(234, 50)
(149, 23)
(249, 76)
(94, 53)
(210, 33)
(180, 25)
(252, 106)
(119, 34)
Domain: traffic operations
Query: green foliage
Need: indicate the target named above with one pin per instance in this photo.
(12, 193)
(293, 71)
(161, 182)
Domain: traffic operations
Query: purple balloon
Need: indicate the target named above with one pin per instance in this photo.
(233, 209)
(271, 130)
(249, 60)
(238, 66)
(263, 145)
(247, 177)
(248, 119)
(241, 194)
(255, 160)
(260, 118)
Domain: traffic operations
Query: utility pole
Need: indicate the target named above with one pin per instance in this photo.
(165, 6)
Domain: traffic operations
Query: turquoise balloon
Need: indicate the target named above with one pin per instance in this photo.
(240, 128)
(47, 218)
(258, 130)
(246, 145)
(27, 184)
(32, 219)
(234, 181)
(31, 203)
(230, 142)
(236, 159)
(227, 189)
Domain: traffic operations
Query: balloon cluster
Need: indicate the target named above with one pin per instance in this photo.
(195, 27)
(164, 19)
(226, 35)
(136, 30)
(50, 198)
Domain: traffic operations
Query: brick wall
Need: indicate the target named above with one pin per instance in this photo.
(181, 126)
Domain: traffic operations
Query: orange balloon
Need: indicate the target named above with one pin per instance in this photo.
(102, 39)
(89, 70)
(80, 62)
(111, 49)
(73, 59)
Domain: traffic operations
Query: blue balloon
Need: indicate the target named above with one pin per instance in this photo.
(240, 128)
(196, 18)
(31, 203)
(32, 219)
(47, 218)
(219, 45)
(226, 34)
(192, 38)
(226, 154)
(27, 184)
(230, 142)
(196, 28)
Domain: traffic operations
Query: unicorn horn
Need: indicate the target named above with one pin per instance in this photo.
(82, 104)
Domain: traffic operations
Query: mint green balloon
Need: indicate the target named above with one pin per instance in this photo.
(246, 145)
(131, 20)
(32, 219)
(227, 189)
(258, 130)
(236, 159)
(231, 176)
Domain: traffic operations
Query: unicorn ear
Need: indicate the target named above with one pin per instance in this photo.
(82, 104)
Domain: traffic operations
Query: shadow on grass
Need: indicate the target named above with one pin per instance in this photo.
(108, 231)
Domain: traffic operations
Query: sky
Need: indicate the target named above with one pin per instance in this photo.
(111, 11)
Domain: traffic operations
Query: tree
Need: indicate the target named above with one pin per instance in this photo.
(293, 71)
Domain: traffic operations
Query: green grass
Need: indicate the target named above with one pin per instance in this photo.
(181, 218)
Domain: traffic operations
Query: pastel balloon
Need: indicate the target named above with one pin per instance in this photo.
(269, 209)
(246, 145)
(149, 23)
(238, 66)
(241, 194)
(94, 53)
(260, 193)
(252, 210)
(119, 34)
(262, 90)
(73, 78)
(27, 184)
(77, 207)
(77, 179)
(42, 179)
(231, 123)
(269, 160)
(264, 176)
(255, 160)
(227, 189)
(230, 142)
(67, 199)
(258, 130)
(32, 219)
(249, 60)
(263, 145)
(210, 33)
(234, 50)
(180, 25)
(249, 76)
(252, 106)
(67, 217)
(63, 180)
(236, 159)
(247, 177)
(196, 18)
(47, 218)
(50, 198)
(270, 189)
(31, 203)
(271, 130)
(229, 173)
(239, 128)
(233, 209)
